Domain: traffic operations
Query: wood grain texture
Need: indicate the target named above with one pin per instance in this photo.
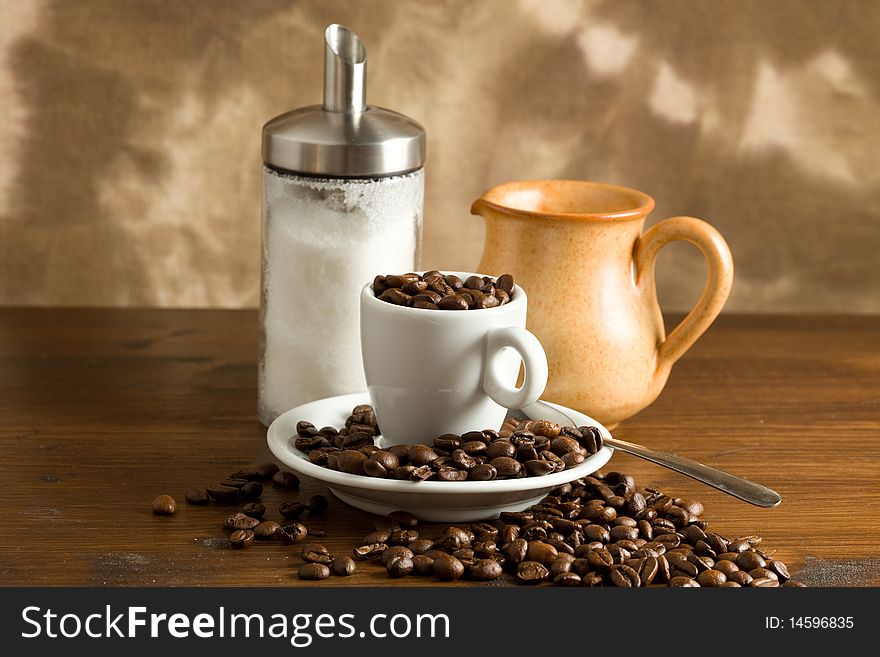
(101, 410)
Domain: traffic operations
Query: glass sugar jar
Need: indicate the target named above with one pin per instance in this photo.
(343, 189)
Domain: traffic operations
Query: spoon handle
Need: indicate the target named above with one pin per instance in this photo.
(739, 487)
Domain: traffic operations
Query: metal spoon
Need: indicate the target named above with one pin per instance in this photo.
(739, 487)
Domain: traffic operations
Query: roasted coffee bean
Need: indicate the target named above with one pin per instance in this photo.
(779, 568)
(505, 282)
(406, 472)
(402, 537)
(596, 533)
(379, 536)
(483, 472)
(164, 505)
(758, 573)
(531, 572)
(266, 471)
(343, 566)
(764, 582)
(240, 521)
(506, 466)
(681, 581)
(702, 563)
(447, 568)
(685, 567)
(285, 479)
(241, 538)
(421, 473)
(484, 570)
(422, 564)
(252, 490)
(316, 553)
(224, 495)
(516, 551)
(350, 461)
(318, 505)
(500, 448)
(197, 496)
(395, 551)
(420, 545)
(254, 510)
(452, 474)
(373, 468)
(399, 566)
(726, 567)
(421, 455)
(749, 560)
(624, 576)
(541, 552)
(233, 482)
(539, 468)
(266, 530)
(293, 533)
(395, 296)
(306, 429)
(369, 551)
(711, 577)
(741, 577)
(292, 510)
(314, 571)
(599, 559)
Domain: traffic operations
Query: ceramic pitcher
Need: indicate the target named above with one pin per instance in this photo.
(577, 247)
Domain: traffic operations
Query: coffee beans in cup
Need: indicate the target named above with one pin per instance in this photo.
(434, 290)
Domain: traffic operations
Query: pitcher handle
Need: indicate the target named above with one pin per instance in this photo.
(718, 282)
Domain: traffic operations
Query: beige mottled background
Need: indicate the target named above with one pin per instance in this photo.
(130, 133)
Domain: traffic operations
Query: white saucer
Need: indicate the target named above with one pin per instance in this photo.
(439, 501)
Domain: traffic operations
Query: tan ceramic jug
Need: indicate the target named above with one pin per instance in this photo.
(577, 248)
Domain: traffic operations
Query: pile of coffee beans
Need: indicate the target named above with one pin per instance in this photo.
(531, 448)
(434, 290)
(598, 531)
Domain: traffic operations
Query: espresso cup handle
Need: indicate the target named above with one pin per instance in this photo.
(534, 359)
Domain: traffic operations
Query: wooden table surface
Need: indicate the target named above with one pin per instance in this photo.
(101, 410)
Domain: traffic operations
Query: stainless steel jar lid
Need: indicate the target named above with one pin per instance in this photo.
(344, 137)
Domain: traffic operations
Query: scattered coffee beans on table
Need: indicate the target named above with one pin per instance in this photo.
(519, 449)
(434, 290)
(597, 531)
(164, 505)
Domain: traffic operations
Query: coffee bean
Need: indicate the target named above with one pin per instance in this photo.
(399, 566)
(531, 572)
(483, 472)
(749, 560)
(293, 533)
(539, 468)
(224, 495)
(758, 573)
(197, 496)
(285, 479)
(711, 577)
(252, 490)
(240, 521)
(343, 566)
(369, 551)
(764, 582)
(505, 282)
(292, 510)
(452, 474)
(254, 510)
(394, 552)
(541, 552)
(241, 538)
(741, 577)
(422, 564)
(726, 567)
(402, 537)
(484, 570)
(682, 582)
(266, 530)
(350, 461)
(779, 568)
(164, 505)
(506, 466)
(314, 571)
(447, 568)
(600, 559)
(420, 473)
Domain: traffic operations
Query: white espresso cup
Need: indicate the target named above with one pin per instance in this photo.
(432, 372)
